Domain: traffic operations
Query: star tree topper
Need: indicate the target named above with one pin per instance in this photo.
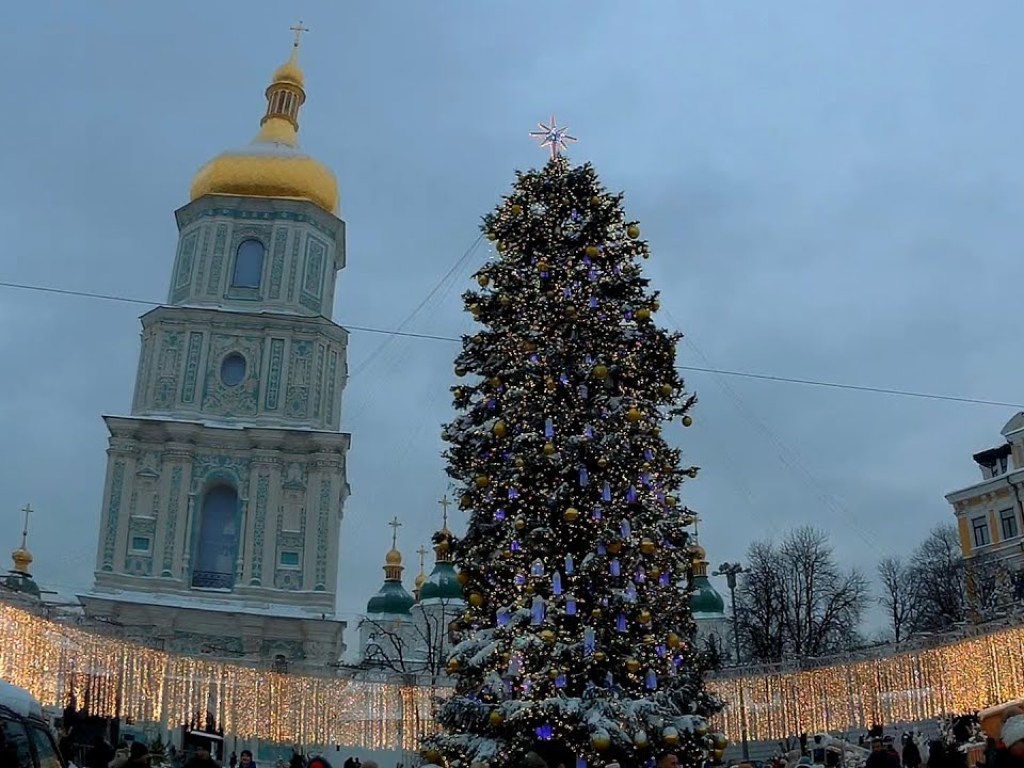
(553, 137)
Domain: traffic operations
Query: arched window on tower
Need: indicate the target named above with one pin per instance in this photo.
(248, 270)
(217, 545)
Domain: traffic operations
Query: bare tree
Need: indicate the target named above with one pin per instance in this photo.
(416, 648)
(795, 601)
(900, 597)
(940, 575)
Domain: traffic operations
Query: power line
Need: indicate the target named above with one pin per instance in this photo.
(890, 391)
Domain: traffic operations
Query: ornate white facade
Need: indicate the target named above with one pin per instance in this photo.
(225, 486)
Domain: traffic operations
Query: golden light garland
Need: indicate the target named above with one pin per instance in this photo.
(53, 660)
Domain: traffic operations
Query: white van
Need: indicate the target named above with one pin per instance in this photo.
(26, 740)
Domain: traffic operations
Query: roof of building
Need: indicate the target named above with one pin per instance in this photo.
(442, 584)
(391, 599)
(705, 599)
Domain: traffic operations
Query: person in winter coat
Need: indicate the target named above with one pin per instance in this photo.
(881, 757)
(911, 754)
(1011, 753)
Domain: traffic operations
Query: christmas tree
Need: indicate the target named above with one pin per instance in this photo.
(577, 643)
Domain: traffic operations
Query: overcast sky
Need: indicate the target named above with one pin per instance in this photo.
(830, 191)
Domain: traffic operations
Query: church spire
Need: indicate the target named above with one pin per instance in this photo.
(393, 560)
(21, 556)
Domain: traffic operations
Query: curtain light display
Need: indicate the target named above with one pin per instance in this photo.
(53, 661)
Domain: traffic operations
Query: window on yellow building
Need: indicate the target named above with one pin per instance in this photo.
(1008, 523)
(981, 535)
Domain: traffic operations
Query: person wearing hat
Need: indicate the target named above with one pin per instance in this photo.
(1010, 753)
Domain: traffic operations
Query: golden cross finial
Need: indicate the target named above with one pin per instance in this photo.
(445, 502)
(395, 525)
(298, 29)
(27, 509)
(422, 552)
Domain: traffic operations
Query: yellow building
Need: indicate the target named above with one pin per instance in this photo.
(988, 512)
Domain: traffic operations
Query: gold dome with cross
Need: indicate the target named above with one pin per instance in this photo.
(272, 165)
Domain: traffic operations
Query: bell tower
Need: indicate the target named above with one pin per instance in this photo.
(226, 483)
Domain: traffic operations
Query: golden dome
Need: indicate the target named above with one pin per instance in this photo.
(290, 72)
(698, 554)
(22, 559)
(393, 557)
(272, 165)
(420, 579)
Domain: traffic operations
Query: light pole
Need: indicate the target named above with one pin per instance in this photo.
(731, 571)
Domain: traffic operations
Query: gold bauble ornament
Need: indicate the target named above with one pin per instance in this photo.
(614, 546)
(633, 414)
(600, 655)
(501, 247)
(453, 665)
(462, 577)
(670, 735)
(596, 613)
(643, 314)
(547, 636)
(600, 372)
(601, 741)
(721, 741)
(602, 462)
(549, 449)
(482, 481)
(687, 421)
(460, 372)
(476, 599)
(672, 640)
(505, 299)
(632, 231)
(571, 514)
(483, 280)
(655, 305)
(571, 312)
(519, 462)
(647, 546)
(593, 251)
(494, 381)
(550, 383)
(516, 209)
(632, 666)
(496, 718)
(666, 390)
(530, 589)
(466, 502)
(520, 523)
(474, 309)
(640, 739)
(654, 573)
(491, 236)
(543, 266)
(719, 755)
(595, 200)
(645, 616)
(701, 730)
(671, 500)
(432, 756)
(499, 429)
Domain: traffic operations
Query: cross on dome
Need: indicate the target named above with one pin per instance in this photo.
(444, 504)
(27, 509)
(395, 525)
(298, 29)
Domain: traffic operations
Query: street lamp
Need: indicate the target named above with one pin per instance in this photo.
(731, 571)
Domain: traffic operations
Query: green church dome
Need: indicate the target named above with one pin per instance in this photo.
(705, 598)
(392, 598)
(22, 582)
(442, 584)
